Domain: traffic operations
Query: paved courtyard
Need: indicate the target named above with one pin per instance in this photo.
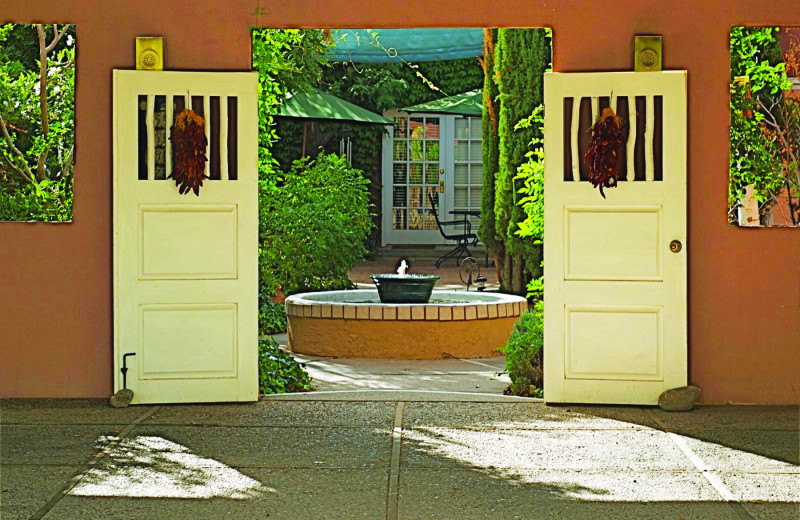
(391, 456)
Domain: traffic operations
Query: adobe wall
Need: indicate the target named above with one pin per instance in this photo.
(744, 284)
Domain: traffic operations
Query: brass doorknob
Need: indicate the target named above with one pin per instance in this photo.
(675, 246)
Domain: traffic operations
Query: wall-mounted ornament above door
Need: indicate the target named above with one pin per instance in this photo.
(647, 55)
(149, 53)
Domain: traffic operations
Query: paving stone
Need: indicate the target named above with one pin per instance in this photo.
(25, 489)
(291, 494)
(524, 415)
(763, 487)
(733, 418)
(776, 451)
(278, 447)
(467, 495)
(45, 444)
(278, 413)
(773, 511)
(469, 382)
(635, 450)
(66, 411)
(401, 395)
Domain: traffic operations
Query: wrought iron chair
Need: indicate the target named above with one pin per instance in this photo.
(464, 236)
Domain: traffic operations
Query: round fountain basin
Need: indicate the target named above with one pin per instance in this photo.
(408, 288)
(355, 324)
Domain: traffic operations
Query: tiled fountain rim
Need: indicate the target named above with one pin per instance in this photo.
(328, 305)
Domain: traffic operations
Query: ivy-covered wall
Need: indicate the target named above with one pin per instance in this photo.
(376, 87)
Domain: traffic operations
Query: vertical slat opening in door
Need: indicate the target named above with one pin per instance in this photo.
(141, 111)
(639, 144)
(160, 137)
(233, 138)
(151, 141)
(567, 148)
(223, 138)
(213, 141)
(208, 119)
(658, 138)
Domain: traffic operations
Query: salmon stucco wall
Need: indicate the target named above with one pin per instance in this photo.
(744, 284)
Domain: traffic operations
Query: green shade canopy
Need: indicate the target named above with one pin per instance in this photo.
(466, 104)
(319, 105)
(396, 45)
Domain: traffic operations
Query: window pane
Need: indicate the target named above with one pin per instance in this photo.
(461, 150)
(432, 128)
(415, 196)
(475, 198)
(460, 197)
(415, 173)
(415, 151)
(400, 148)
(475, 151)
(475, 128)
(416, 127)
(400, 173)
(430, 220)
(462, 128)
(400, 127)
(415, 218)
(399, 219)
(399, 197)
(476, 174)
(432, 173)
(431, 150)
(461, 174)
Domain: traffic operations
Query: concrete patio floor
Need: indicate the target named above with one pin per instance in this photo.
(482, 376)
(403, 459)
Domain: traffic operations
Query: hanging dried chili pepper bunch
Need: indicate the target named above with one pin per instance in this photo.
(189, 148)
(601, 157)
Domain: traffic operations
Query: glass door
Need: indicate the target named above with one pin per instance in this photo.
(413, 169)
(467, 168)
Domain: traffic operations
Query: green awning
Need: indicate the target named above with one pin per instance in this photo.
(466, 104)
(396, 45)
(319, 105)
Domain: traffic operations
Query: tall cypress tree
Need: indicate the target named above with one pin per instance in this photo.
(521, 58)
(490, 143)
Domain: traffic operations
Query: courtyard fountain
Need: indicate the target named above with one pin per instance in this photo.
(405, 318)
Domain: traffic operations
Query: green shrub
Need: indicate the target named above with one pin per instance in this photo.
(278, 372)
(524, 353)
(312, 225)
(271, 318)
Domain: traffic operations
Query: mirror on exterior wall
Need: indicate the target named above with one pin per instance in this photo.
(37, 122)
(764, 185)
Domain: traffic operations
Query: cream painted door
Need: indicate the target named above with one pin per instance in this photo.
(185, 266)
(615, 268)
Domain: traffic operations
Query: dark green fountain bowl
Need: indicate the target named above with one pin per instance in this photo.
(411, 288)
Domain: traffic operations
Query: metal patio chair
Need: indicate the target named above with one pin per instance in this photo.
(464, 236)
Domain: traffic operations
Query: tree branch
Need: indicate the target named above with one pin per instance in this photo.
(26, 173)
(57, 36)
(41, 174)
(68, 162)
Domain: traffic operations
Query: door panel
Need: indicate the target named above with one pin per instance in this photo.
(615, 312)
(185, 266)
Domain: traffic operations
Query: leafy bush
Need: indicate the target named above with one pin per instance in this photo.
(47, 201)
(278, 372)
(313, 225)
(524, 353)
(271, 317)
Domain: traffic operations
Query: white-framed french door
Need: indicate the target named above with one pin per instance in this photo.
(423, 154)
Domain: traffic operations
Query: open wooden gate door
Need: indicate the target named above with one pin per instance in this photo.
(185, 266)
(615, 268)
